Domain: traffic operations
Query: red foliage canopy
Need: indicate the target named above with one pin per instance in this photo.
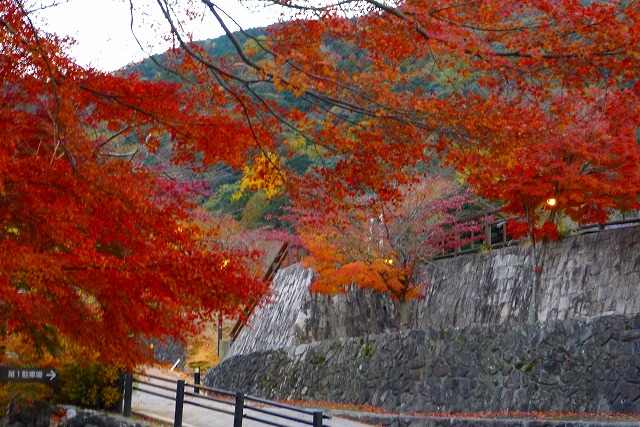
(96, 250)
(529, 101)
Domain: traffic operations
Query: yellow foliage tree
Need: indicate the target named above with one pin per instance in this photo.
(265, 173)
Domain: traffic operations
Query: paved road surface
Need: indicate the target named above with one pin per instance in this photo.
(164, 409)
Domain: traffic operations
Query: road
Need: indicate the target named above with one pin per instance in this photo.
(163, 408)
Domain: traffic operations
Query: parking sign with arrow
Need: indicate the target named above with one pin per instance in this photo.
(43, 375)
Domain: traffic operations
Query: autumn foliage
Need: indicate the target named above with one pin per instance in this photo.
(96, 250)
(527, 100)
(387, 246)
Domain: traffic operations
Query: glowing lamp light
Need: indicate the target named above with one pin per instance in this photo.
(551, 202)
(388, 261)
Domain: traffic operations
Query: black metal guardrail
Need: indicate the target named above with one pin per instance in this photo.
(204, 397)
(496, 237)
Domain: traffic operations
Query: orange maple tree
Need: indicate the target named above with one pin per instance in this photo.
(97, 250)
(386, 246)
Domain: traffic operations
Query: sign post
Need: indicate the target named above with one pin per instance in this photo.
(41, 375)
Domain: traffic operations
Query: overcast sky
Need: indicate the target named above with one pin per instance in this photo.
(103, 34)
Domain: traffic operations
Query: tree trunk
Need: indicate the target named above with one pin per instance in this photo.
(537, 261)
(403, 313)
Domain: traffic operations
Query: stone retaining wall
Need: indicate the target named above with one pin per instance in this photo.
(407, 421)
(583, 277)
(295, 315)
(570, 366)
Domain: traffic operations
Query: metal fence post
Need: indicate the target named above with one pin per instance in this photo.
(317, 419)
(487, 235)
(177, 421)
(128, 392)
(196, 379)
(239, 412)
(119, 406)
